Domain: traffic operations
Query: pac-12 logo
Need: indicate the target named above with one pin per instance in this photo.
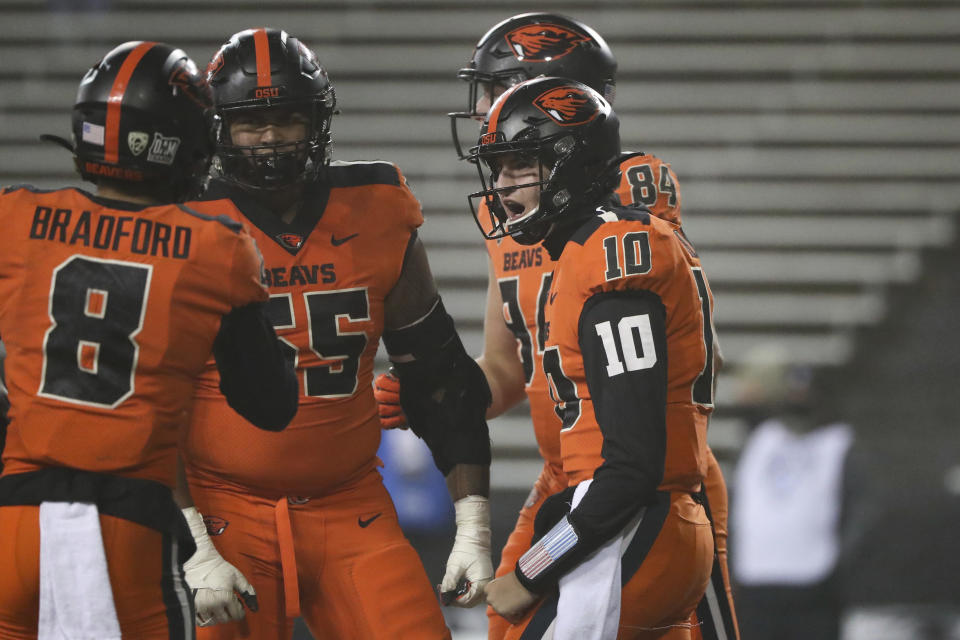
(137, 141)
(567, 106)
(543, 42)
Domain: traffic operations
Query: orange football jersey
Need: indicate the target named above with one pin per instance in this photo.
(524, 274)
(328, 273)
(625, 251)
(108, 311)
(648, 180)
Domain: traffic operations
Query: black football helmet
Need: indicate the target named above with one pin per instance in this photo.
(566, 127)
(530, 45)
(263, 68)
(143, 116)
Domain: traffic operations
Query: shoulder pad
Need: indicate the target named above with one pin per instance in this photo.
(226, 221)
(609, 214)
(629, 155)
(28, 187)
(358, 174)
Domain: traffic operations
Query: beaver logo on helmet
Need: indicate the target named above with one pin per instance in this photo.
(567, 106)
(185, 78)
(543, 42)
(213, 68)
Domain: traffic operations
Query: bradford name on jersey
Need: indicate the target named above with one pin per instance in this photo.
(108, 311)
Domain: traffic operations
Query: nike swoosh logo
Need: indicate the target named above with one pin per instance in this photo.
(335, 241)
(366, 523)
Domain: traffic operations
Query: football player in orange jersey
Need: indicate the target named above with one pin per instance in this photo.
(626, 550)
(110, 305)
(516, 49)
(304, 514)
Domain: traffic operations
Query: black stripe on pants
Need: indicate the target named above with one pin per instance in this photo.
(176, 597)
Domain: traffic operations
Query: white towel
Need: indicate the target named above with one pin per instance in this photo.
(589, 605)
(76, 601)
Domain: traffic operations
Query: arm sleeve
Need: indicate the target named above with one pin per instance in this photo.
(624, 347)
(443, 391)
(258, 382)
(247, 281)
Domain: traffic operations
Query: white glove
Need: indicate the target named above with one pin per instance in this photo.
(469, 563)
(213, 579)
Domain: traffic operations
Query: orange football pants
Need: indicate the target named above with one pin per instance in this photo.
(551, 480)
(149, 593)
(339, 560)
(716, 490)
(666, 568)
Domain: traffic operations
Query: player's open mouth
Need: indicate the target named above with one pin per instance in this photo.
(514, 209)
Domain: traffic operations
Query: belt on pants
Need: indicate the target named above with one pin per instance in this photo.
(288, 557)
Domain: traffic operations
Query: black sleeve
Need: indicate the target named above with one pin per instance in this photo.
(443, 391)
(630, 403)
(258, 382)
(624, 348)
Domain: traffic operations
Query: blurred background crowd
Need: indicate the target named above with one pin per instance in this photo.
(817, 146)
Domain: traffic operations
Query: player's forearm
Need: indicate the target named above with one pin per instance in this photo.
(500, 361)
(443, 392)
(505, 393)
(468, 480)
(181, 491)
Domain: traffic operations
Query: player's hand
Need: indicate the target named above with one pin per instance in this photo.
(386, 389)
(214, 581)
(509, 598)
(470, 558)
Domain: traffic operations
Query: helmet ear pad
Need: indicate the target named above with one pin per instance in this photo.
(581, 175)
(576, 184)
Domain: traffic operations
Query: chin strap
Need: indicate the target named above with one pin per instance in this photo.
(57, 140)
